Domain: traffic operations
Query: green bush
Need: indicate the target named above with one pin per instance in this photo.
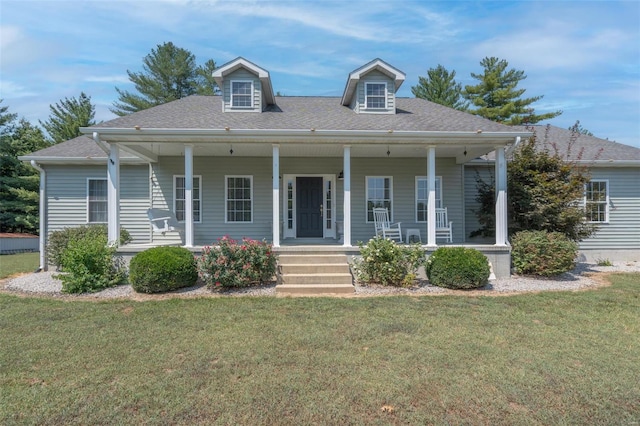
(162, 269)
(59, 240)
(543, 253)
(235, 264)
(457, 268)
(385, 262)
(90, 265)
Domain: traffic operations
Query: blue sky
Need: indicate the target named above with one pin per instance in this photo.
(583, 56)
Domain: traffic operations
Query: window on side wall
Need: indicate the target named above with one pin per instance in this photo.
(241, 94)
(596, 201)
(179, 198)
(422, 196)
(376, 95)
(97, 205)
(239, 198)
(379, 194)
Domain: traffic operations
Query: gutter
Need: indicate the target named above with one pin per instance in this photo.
(43, 217)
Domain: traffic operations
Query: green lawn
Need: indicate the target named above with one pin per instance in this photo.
(16, 263)
(549, 358)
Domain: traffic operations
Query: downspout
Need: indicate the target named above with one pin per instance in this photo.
(102, 145)
(43, 217)
(512, 147)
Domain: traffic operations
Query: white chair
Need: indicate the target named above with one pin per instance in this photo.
(163, 221)
(384, 228)
(444, 227)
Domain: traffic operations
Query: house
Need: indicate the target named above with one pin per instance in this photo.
(611, 198)
(292, 170)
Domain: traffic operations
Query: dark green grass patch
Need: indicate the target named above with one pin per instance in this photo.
(11, 264)
(547, 358)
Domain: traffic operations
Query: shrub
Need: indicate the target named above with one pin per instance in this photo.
(162, 269)
(90, 265)
(385, 262)
(235, 264)
(457, 268)
(543, 253)
(59, 240)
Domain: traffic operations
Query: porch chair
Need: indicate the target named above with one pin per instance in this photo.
(384, 228)
(163, 221)
(444, 227)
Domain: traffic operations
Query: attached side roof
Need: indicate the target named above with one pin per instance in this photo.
(378, 65)
(221, 72)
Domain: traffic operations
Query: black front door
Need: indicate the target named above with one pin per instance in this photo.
(309, 207)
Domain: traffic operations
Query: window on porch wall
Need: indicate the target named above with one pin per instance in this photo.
(179, 193)
(239, 198)
(379, 194)
(97, 204)
(422, 196)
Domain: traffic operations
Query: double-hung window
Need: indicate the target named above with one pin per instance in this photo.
(241, 94)
(379, 194)
(596, 201)
(179, 199)
(97, 200)
(422, 196)
(239, 198)
(376, 95)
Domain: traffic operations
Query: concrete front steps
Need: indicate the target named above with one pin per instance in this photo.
(314, 273)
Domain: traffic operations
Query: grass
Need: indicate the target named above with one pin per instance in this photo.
(11, 264)
(548, 358)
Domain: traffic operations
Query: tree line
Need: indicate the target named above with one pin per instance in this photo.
(170, 73)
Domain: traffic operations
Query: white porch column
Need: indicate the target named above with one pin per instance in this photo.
(501, 197)
(431, 200)
(113, 195)
(347, 196)
(188, 195)
(276, 196)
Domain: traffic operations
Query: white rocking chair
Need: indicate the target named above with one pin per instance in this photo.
(384, 228)
(444, 228)
(163, 221)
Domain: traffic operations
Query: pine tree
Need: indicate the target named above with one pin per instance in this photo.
(169, 73)
(440, 87)
(18, 181)
(67, 116)
(497, 98)
(577, 128)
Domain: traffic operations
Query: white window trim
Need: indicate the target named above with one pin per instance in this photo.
(199, 177)
(366, 196)
(438, 186)
(231, 105)
(87, 199)
(226, 198)
(386, 96)
(606, 202)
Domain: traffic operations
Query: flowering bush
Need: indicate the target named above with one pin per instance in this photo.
(387, 263)
(237, 264)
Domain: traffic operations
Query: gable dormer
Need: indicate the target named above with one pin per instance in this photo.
(372, 88)
(245, 86)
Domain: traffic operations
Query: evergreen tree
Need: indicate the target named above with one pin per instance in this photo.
(67, 116)
(577, 128)
(440, 87)
(497, 98)
(169, 73)
(19, 182)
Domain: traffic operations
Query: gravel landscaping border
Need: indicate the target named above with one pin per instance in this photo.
(584, 276)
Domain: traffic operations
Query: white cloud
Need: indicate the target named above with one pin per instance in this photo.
(10, 89)
(120, 78)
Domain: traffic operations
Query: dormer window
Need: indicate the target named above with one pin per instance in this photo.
(376, 95)
(242, 94)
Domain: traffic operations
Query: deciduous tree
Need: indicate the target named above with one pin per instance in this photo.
(497, 97)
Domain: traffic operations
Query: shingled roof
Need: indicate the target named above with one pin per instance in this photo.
(303, 113)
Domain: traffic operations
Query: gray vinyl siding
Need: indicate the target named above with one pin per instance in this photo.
(214, 169)
(67, 197)
(375, 77)
(623, 229)
(242, 74)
